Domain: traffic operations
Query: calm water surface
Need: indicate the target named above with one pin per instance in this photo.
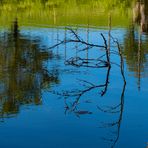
(40, 104)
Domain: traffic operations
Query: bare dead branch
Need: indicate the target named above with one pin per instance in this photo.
(106, 49)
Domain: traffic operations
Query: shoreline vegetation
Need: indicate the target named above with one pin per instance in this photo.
(63, 12)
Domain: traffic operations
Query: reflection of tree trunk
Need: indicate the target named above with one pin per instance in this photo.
(144, 21)
(140, 15)
(76, 46)
(57, 41)
(87, 40)
(65, 45)
(136, 13)
(139, 60)
(109, 32)
(135, 57)
(54, 16)
(15, 29)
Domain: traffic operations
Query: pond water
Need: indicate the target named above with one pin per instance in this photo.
(67, 96)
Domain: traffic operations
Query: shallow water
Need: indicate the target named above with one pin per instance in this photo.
(40, 104)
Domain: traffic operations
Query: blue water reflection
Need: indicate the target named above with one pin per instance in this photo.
(33, 114)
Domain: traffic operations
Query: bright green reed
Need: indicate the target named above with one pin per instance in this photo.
(65, 12)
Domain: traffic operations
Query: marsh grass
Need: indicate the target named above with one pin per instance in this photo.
(63, 12)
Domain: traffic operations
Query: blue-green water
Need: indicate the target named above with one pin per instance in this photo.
(35, 114)
(47, 102)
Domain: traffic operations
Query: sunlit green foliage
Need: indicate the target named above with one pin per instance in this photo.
(27, 4)
(62, 12)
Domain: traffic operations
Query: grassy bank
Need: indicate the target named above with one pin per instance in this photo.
(65, 12)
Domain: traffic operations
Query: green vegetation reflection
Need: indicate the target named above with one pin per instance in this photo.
(23, 74)
(66, 12)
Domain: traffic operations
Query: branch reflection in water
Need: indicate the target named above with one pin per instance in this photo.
(73, 97)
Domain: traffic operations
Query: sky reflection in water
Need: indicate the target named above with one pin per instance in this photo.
(33, 114)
